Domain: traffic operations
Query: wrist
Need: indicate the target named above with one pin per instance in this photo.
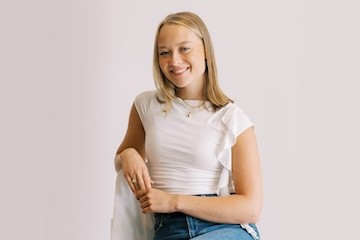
(177, 202)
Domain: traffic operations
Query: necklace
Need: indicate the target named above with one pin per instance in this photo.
(191, 108)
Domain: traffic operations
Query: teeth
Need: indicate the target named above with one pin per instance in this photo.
(177, 71)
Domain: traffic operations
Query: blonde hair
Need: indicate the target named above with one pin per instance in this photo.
(212, 91)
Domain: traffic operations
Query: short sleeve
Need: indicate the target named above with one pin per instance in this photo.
(237, 121)
(142, 103)
(234, 122)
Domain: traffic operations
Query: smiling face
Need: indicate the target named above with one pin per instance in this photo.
(182, 59)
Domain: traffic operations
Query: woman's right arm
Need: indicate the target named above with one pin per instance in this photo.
(130, 155)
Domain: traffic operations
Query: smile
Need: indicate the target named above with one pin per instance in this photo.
(179, 71)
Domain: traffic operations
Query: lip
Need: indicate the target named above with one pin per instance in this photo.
(179, 71)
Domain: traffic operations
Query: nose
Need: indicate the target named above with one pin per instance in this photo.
(175, 59)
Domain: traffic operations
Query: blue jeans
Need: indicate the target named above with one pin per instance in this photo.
(179, 226)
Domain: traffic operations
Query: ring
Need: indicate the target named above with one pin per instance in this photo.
(133, 180)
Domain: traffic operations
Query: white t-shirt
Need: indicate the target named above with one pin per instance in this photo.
(190, 154)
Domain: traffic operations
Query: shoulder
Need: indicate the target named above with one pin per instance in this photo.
(235, 118)
(232, 109)
(144, 101)
(238, 108)
(145, 96)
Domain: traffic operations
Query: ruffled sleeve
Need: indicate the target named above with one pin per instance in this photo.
(234, 122)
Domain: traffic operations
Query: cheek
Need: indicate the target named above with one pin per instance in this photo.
(162, 66)
(201, 64)
(199, 59)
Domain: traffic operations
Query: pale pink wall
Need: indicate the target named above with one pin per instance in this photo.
(69, 71)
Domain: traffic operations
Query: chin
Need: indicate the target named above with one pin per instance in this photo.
(180, 84)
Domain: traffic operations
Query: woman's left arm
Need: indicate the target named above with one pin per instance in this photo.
(247, 176)
(242, 207)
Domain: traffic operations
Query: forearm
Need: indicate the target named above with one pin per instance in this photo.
(236, 209)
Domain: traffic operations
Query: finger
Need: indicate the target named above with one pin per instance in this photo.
(141, 194)
(147, 180)
(135, 182)
(131, 183)
(146, 210)
(144, 204)
(141, 184)
(144, 181)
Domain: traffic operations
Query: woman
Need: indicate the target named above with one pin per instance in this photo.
(190, 154)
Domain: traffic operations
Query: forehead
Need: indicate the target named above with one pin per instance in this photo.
(174, 34)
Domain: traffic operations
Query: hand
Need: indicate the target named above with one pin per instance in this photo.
(135, 170)
(155, 200)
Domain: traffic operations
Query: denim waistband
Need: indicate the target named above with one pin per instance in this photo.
(206, 195)
(179, 226)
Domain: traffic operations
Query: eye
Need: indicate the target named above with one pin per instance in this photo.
(163, 53)
(184, 49)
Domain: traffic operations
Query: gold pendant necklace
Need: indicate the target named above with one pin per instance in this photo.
(191, 108)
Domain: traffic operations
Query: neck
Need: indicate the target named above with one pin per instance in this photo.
(194, 90)
(189, 95)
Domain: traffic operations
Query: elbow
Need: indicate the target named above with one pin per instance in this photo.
(250, 214)
(254, 217)
(255, 212)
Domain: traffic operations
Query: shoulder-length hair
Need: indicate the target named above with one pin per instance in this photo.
(167, 90)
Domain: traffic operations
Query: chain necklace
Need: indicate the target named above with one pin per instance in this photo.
(192, 108)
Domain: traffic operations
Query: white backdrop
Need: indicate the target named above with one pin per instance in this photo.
(70, 70)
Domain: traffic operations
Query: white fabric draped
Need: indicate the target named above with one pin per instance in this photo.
(128, 222)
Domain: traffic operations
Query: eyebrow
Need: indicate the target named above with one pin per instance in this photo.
(180, 43)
